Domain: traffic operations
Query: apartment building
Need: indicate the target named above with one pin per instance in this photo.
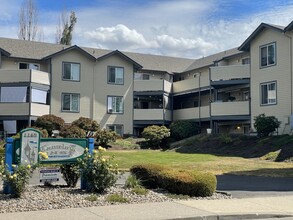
(126, 92)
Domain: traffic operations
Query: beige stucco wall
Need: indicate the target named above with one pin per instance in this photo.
(84, 87)
(13, 64)
(280, 73)
(93, 89)
(103, 90)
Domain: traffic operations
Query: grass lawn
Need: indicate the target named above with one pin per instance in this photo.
(203, 162)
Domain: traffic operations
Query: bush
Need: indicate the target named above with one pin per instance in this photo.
(49, 122)
(113, 198)
(225, 138)
(132, 182)
(176, 181)
(72, 131)
(70, 173)
(184, 129)
(86, 124)
(265, 125)
(147, 174)
(103, 137)
(98, 171)
(188, 183)
(155, 134)
(18, 180)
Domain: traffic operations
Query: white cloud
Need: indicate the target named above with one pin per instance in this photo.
(119, 36)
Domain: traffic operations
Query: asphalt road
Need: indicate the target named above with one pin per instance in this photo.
(254, 186)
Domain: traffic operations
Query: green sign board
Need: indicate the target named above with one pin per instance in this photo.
(59, 150)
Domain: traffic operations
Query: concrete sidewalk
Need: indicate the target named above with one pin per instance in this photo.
(248, 208)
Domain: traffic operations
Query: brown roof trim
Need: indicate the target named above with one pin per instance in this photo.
(122, 55)
(4, 52)
(245, 46)
(65, 50)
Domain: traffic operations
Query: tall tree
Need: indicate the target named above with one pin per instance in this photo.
(28, 21)
(65, 28)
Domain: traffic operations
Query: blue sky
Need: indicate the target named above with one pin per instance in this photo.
(184, 28)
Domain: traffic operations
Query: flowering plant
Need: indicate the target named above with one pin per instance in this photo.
(18, 179)
(99, 172)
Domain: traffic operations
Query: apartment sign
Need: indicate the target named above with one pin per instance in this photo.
(27, 148)
(30, 144)
(61, 151)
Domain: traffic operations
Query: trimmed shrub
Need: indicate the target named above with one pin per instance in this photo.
(265, 125)
(154, 134)
(49, 122)
(188, 183)
(72, 131)
(176, 181)
(70, 173)
(104, 137)
(86, 124)
(147, 174)
(184, 129)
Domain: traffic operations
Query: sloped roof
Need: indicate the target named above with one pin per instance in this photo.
(209, 60)
(39, 50)
(245, 46)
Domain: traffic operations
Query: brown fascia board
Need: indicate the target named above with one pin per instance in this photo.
(4, 52)
(74, 47)
(123, 56)
(245, 46)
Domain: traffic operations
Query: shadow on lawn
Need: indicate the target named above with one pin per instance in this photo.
(238, 145)
(240, 181)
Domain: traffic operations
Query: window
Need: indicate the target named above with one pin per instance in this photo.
(115, 104)
(70, 102)
(145, 76)
(31, 66)
(245, 61)
(71, 71)
(268, 93)
(116, 75)
(117, 128)
(268, 55)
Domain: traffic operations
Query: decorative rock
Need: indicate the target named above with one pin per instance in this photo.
(60, 197)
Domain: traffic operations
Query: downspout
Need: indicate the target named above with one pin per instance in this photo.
(163, 102)
(199, 97)
(210, 102)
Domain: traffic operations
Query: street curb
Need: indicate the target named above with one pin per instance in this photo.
(233, 217)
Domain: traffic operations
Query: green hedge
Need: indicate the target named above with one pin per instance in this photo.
(184, 182)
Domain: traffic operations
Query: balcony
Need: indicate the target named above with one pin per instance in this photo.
(24, 75)
(191, 113)
(152, 114)
(230, 108)
(152, 85)
(23, 109)
(190, 84)
(232, 72)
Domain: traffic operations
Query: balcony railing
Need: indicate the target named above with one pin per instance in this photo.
(230, 72)
(152, 114)
(189, 84)
(152, 85)
(23, 109)
(230, 108)
(24, 75)
(191, 113)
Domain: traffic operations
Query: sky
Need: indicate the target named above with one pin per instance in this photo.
(181, 28)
